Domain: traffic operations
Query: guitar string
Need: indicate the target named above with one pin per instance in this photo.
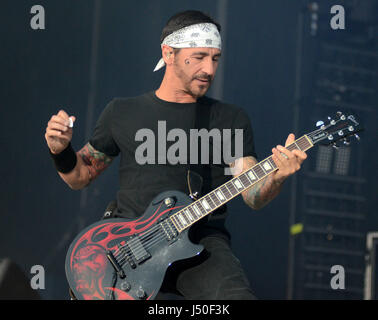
(145, 242)
(150, 234)
(149, 246)
(143, 239)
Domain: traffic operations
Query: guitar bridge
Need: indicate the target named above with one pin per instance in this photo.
(169, 229)
(115, 264)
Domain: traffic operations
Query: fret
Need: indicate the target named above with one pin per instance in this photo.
(193, 213)
(201, 208)
(300, 144)
(215, 199)
(263, 170)
(244, 180)
(225, 191)
(173, 219)
(304, 143)
(258, 171)
(183, 214)
(198, 212)
(178, 222)
(220, 195)
(185, 218)
(210, 202)
(231, 187)
(182, 220)
(291, 147)
(251, 175)
(272, 163)
(266, 166)
(205, 204)
(189, 215)
(307, 143)
(238, 184)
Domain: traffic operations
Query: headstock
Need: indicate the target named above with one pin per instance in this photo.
(337, 130)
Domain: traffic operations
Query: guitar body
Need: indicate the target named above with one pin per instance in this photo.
(127, 259)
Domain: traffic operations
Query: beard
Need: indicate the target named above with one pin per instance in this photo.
(196, 85)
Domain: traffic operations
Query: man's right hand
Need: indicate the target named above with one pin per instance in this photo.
(58, 133)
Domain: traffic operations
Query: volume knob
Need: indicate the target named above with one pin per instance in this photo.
(141, 294)
(125, 286)
(168, 202)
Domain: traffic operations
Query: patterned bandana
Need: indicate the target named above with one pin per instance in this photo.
(201, 35)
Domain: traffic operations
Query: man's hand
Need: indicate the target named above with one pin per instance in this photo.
(287, 162)
(58, 133)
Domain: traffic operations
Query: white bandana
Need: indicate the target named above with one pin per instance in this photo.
(201, 35)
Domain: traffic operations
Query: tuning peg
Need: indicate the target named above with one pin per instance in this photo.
(346, 142)
(335, 146)
(340, 115)
(357, 136)
(330, 137)
(319, 123)
(331, 121)
(340, 132)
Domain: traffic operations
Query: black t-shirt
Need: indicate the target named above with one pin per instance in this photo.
(127, 123)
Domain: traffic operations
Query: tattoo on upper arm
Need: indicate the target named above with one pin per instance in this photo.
(96, 161)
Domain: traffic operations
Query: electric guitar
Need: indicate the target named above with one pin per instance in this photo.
(119, 258)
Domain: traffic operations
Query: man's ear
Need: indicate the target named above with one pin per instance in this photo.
(167, 52)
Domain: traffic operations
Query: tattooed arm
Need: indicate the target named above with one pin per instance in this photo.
(287, 162)
(261, 193)
(90, 163)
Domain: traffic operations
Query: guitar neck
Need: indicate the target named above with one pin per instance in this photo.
(186, 217)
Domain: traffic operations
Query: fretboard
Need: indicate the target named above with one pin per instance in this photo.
(205, 205)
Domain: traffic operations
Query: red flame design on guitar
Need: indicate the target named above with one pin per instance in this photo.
(88, 260)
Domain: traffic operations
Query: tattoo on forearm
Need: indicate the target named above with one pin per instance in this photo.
(96, 161)
(262, 193)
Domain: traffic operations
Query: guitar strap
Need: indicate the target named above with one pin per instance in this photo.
(199, 176)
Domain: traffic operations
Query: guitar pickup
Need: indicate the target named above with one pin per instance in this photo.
(137, 249)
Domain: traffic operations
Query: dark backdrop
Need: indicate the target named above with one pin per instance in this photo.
(45, 70)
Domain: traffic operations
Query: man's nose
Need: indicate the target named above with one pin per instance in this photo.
(209, 67)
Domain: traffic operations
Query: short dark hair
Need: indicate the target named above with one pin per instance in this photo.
(184, 19)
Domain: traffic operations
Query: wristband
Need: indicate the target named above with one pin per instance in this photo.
(65, 161)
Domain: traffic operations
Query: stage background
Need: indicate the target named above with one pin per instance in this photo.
(88, 55)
